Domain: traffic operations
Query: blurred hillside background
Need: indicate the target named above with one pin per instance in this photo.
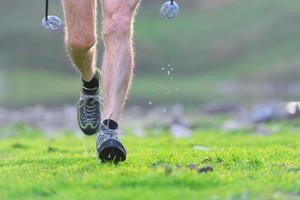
(220, 50)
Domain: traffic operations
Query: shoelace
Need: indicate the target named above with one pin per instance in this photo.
(109, 133)
(89, 107)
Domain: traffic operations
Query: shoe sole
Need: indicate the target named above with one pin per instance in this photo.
(112, 151)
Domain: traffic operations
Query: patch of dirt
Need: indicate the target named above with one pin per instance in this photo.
(18, 146)
(191, 166)
(205, 169)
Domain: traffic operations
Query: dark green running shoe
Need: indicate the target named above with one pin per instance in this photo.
(109, 147)
(88, 111)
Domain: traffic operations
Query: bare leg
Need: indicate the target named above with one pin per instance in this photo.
(118, 59)
(80, 37)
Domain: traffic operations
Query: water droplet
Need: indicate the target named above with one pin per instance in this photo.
(172, 69)
(150, 102)
(169, 73)
(163, 68)
(164, 110)
(169, 65)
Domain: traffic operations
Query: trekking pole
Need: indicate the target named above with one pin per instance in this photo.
(51, 22)
(169, 10)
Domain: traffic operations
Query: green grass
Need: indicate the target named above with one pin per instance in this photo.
(245, 166)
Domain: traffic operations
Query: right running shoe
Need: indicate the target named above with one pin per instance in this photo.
(88, 111)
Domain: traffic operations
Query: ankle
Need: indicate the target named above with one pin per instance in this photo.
(92, 86)
(111, 124)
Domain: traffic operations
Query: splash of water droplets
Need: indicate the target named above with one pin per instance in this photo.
(168, 71)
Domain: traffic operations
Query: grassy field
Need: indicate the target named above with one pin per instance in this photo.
(232, 166)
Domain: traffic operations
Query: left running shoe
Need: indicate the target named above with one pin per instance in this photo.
(88, 111)
(109, 146)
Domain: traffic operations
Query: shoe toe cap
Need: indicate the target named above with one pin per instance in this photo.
(89, 130)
